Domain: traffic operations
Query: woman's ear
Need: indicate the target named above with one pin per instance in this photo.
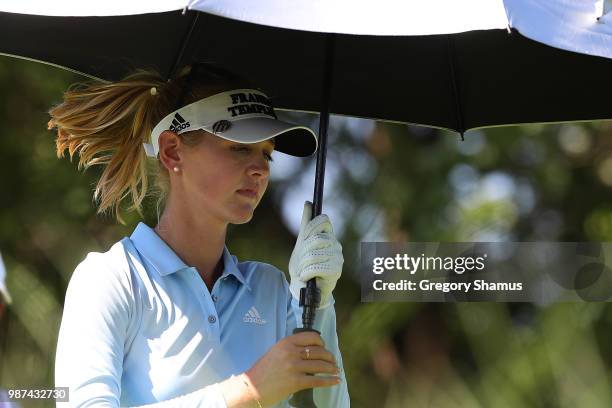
(169, 144)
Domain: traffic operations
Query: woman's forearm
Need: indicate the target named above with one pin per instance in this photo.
(239, 392)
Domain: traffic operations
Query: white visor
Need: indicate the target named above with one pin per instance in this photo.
(240, 115)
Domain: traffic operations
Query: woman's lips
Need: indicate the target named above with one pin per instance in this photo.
(248, 193)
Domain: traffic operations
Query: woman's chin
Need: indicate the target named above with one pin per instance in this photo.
(242, 220)
(242, 215)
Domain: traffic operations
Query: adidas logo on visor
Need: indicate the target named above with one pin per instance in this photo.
(178, 123)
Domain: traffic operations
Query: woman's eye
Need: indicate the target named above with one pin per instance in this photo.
(247, 149)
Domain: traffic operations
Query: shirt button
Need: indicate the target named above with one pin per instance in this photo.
(214, 298)
(212, 319)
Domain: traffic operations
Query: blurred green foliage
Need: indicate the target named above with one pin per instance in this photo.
(394, 183)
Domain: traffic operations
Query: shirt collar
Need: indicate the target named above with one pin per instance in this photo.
(166, 261)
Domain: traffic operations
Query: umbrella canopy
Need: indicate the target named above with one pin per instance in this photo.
(581, 26)
(438, 76)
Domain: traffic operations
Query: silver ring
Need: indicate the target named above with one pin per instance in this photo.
(307, 351)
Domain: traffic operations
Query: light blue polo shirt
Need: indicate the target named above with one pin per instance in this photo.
(140, 326)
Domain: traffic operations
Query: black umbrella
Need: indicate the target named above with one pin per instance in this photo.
(460, 81)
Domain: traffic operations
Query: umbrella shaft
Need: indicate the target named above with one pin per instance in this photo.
(317, 201)
(310, 296)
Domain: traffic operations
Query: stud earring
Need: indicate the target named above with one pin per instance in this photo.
(176, 169)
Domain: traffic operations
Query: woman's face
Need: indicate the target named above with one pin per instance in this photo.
(227, 179)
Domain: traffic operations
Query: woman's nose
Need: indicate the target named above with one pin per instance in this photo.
(260, 167)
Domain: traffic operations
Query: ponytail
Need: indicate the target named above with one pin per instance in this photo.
(107, 124)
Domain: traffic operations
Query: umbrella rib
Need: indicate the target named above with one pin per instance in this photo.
(184, 42)
(450, 47)
(51, 64)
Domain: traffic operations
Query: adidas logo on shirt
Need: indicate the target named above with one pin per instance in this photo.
(253, 316)
(178, 123)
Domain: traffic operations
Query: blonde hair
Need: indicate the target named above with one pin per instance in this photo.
(107, 124)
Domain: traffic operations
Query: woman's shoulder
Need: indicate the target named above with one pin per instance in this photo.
(112, 259)
(101, 285)
(104, 268)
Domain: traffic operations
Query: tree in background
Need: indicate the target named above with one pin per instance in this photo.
(385, 182)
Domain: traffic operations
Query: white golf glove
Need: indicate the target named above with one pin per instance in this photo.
(317, 253)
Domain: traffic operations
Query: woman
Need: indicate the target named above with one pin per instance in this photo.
(167, 316)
